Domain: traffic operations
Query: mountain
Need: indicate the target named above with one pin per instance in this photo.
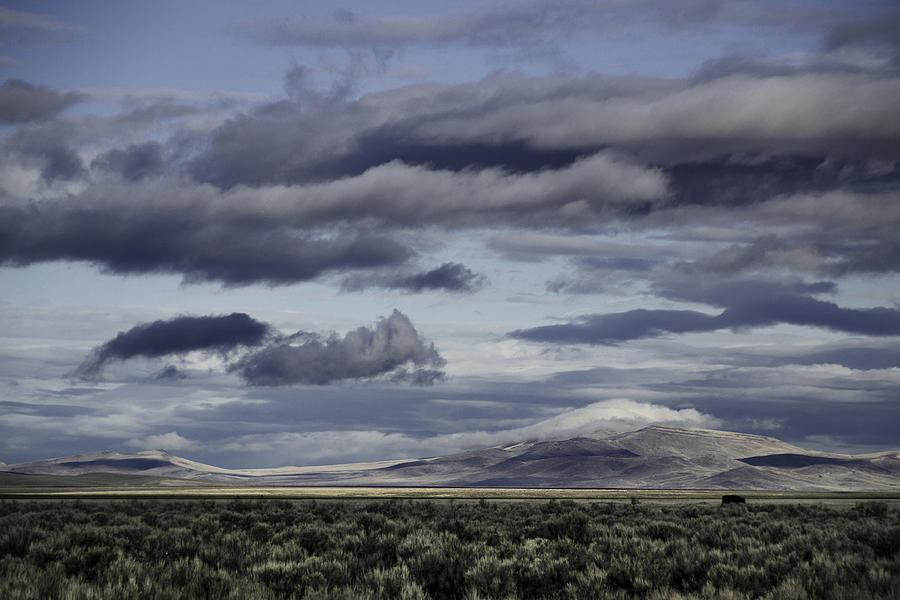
(651, 458)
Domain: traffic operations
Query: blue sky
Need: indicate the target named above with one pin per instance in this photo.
(270, 233)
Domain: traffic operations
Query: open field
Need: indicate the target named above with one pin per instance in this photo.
(99, 486)
(421, 549)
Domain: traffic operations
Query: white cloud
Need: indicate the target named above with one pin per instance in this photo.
(333, 447)
(165, 441)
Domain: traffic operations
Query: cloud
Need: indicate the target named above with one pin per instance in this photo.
(24, 26)
(392, 348)
(747, 305)
(693, 119)
(838, 232)
(329, 447)
(171, 441)
(286, 234)
(523, 23)
(172, 230)
(857, 356)
(449, 277)
(180, 335)
(509, 26)
(169, 373)
(531, 246)
(595, 188)
(875, 35)
(578, 152)
(135, 162)
(22, 102)
(613, 328)
(62, 163)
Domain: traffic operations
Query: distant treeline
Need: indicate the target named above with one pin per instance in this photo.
(424, 549)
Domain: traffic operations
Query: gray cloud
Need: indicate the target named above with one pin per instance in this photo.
(737, 140)
(858, 357)
(693, 120)
(875, 35)
(180, 335)
(24, 26)
(509, 26)
(618, 327)
(199, 245)
(595, 188)
(22, 102)
(522, 23)
(530, 246)
(137, 161)
(392, 348)
(449, 277)
(747, 305)
(169, 373)
(62, 163)
(297, 193)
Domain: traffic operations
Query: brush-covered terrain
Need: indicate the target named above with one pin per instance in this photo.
(432, 549)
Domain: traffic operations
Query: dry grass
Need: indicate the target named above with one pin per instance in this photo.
(186, 491)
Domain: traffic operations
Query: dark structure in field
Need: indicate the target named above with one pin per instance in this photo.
(733, 499)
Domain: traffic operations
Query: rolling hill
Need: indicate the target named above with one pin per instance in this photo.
(654, 457)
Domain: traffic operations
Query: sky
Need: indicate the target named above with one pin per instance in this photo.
(297, 233)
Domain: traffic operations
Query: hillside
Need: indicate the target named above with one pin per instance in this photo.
(650, 458)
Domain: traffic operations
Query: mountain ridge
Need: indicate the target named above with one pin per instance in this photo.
(654, 457)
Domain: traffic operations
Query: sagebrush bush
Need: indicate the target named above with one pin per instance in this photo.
(347, 549)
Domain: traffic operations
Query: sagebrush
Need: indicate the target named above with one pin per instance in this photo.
(426, 549)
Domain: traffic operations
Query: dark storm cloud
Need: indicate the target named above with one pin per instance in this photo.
(392, 348)
(180, 335)
(137, 161)
(449, 277)
(746, 304)
(22, 102)
(185, 241)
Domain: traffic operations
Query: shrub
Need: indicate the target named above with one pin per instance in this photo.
(434, 550)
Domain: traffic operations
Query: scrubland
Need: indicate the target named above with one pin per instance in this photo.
(418, 549)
